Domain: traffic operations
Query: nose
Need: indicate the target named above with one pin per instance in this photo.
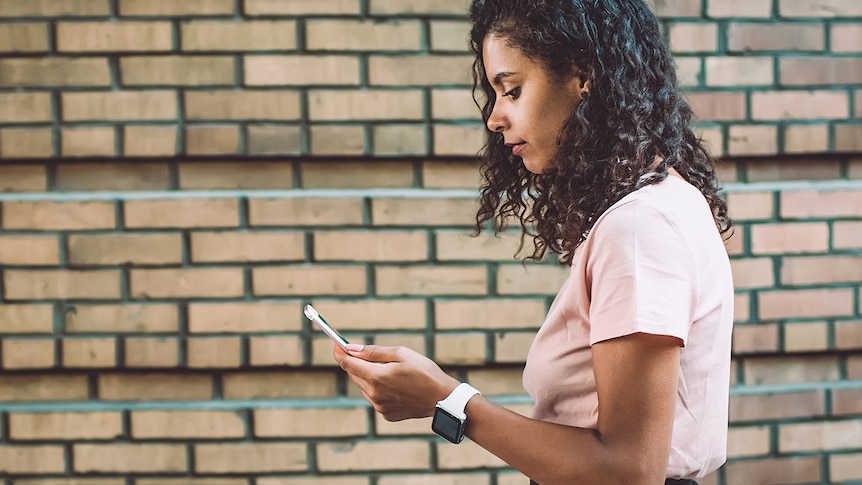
(497, 121)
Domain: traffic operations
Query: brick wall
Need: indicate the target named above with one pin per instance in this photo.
(177, 178)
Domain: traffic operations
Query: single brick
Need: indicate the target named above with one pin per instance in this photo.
(471, 456)
(752, 140)
(247, 246)
(194, 424)
(389, 7)
(846, 401)
(462, 140)
(675, 8)
(795, 71)
(799, 105)
(450, 35)
(54, 8)
(806, 138)
(129, 458)
(250, 457)
(463, 348)
(248, 35)
(789, 370)
(155, 387)
(688, 70)
(752, 273)
(273, 385)
(748, 441)
(748, 37)
(237, 105)
(302, 7)
(515, 279)
(755, 339)
(28, 459)
(846, 38)
(453, 104)
(177, 70)
(275, 350)
(450, 175)
(114, 36)
(401, 314)
(26, 143)
(693, 37)
(243, 175)
(90, 352)
(149, 141)
(119, 105)
(805, 303)
(806, 337)
(297, 423)
(368, 456)
(24, 107)
(181, 213)
(370, 246)
(821, 269)
(848, 137)
(848, 335)
(126, 318)
(365, 105)
(301, 70)
(29, 251)
(419, 70)
(740, 8)
(810, 203)
(776, 406)
(751, 205)
(151, 352)
(28, 353)
(61, 284)
(274, 140)
(17, 319)
(91, 141)
(212, 140)
(55, 71)
(121, 249)
(847, 235)
(424, 280)
(349, 35)
(338, 140)
(218, 352)
(512, 347)
(23, 178)
(822, 8)
(91, 177)
(399, 139)
(845, 467)
(244, 317)
(186, 283)
(309, 280)
(791, 237)
(144, 8)
(305, 211)
(711, 106)
(801, 169)
(489, 313)
(739, 71)
(43, 387)
(462, 246)
(423, 211)
(65, 426)
(352, 175)
(834, 435)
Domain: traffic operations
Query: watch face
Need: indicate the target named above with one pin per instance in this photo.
(447, 426)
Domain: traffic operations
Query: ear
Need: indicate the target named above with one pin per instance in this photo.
(579, 84)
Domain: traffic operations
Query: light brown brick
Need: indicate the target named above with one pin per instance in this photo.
(848, 137)
(89, 352)
(305, 211)
(834, 435)
(28, 353)
(181, 213)
(755, 339)
(274, 140)
(421, 426)
(119, 105)
(212, 140)
(787, 370)
(112, 176)
(44, 215)
(739, 71)
(424, 280)
(367, 104)
(417, 7)
(423, 211)
(236, 105)
(450, 35)
(24, 107)
(250, 457)
(309, 280)
(172, 8)
(752, 140)
(470, 456)
(693, 37)
(462, 140)
(514, 279)
(241, 175)
(795, 71)
(415, 342)
(822, 8)
(854, 367)
(352, 175)
(191, 481)
(337, 140)
(26, 143)
(325, 480)
(155, 387)
(294, 423)
(776, 406)
(187, 424)
(797, 169)
(303, 7)
(450, 175)
(462, 246)
(810, 203)
(752, 273)
(370, 246)
(846, 38)
(186, 283)
(446, 478)
(718, 106)
(401, 314)
(26, 459)
(419, 70)
(15, 319)
(218, 352)
(848, 335)
(453, 104)
(53, 8)
(273, 385)
(463, 348)
(54, 71)
(43, 387)
(247, 246)
(125, 36)
(748, 441)
(751, 205)
(806, 138)
(512, 347)
(301, 70)
(120, 249)
(790, 237)
(497, 382)
(799, 105)
(61, 284)
(399, 139)
(806, 337)
(177, 70)
(150, 352)
(376, 36)
(740, 8)
(29, 251)
(249, 35)
(149, 141)
(688, 70)
(806, 303)
(275, 350)
(92, 141)
(244, 317)
(127, 318)
(129, 458)
(846, 401)
(65, 426)
(753, 37)
(821, 269)
(367, 456)
(23, 178)
(845, 467)
(847, 235)
(489, 313)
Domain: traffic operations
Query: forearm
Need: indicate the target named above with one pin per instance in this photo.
(552, 454)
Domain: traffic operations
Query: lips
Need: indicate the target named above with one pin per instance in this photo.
(516, 147)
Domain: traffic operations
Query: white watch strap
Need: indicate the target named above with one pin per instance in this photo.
(457, 400)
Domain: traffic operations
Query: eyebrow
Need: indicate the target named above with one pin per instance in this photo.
(499, 77)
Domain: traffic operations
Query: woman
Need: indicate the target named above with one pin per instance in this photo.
(590, 148)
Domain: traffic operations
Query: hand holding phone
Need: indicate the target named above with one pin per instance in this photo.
(318, 320)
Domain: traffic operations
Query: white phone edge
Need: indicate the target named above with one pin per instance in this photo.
(312, 314)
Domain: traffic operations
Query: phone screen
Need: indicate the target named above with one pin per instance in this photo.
(318, 320)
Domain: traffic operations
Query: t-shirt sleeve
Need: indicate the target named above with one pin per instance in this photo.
(641, 275)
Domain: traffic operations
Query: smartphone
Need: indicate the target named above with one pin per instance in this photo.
(318, 320)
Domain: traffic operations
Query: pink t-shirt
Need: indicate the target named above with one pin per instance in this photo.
(654, 263)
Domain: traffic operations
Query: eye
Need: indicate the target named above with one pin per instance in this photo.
(514, 93)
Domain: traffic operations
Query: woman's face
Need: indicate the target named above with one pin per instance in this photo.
(531, 105)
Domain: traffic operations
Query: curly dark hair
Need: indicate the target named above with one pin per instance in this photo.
(634, 112)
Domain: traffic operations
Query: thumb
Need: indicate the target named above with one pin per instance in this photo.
(374, 353)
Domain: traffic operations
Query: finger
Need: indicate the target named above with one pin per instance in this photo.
(375, 353)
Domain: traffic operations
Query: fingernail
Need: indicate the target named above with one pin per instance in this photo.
(355, 347)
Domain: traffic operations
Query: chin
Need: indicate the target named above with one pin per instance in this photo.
(536, 166)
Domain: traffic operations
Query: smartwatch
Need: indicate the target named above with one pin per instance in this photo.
(449, 418)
